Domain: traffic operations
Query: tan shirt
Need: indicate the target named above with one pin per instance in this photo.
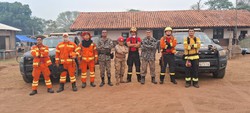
(120, 52)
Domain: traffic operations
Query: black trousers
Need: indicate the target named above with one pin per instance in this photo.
(192, 72)
(170, 60)
(133, 59)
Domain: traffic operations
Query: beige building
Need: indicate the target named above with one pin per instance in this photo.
(7, 37)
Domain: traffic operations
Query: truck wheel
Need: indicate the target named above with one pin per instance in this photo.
(219, 73)
(27, 79)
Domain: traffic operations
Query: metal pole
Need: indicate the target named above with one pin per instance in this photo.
(236, 22)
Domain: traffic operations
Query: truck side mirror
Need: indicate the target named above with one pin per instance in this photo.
(216, 41)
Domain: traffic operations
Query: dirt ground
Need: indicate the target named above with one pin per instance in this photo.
(228, 95)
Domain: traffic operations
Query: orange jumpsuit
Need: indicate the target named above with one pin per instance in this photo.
(65, 51)
(87, 56)
(41, 62)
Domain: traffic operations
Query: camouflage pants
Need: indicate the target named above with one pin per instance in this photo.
(144, 67)
(105, 65)
(119, 68)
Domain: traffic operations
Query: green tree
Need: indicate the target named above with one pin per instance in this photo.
(133, 10)
(219, 4)
(65, 20)
(50, 27)
(18, 15)
(243, 4)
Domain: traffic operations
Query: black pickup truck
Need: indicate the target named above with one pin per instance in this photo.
(213, 58)
(26, 61)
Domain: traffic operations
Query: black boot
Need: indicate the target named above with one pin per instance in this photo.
(103, 82)
(195, 84)
(162, 79)
(188, 84)
(138, 77)
(129, 78)
(153, 80)
(61, 88)
(74, 88)
(33, 92)
(50, 90)
(143, 80)
(92, 84)
(109, 81)
(173, 79)
(84, 84)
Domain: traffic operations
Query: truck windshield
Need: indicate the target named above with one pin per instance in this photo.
(203, 37)
(52, 42)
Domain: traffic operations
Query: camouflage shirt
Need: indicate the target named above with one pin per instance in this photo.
(148, 48)
(104, 47)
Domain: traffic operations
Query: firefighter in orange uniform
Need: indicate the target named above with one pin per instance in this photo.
(168, 44)
(65, 58)
(41, 62)
(88, 57)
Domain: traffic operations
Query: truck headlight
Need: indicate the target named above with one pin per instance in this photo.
(223, 53)
(179, 53)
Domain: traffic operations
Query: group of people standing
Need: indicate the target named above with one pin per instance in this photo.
(88, 54)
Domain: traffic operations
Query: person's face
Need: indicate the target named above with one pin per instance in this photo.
(39, 41)
(133, 33)
(86, 37)
(65, 38)
(168, 33)
(148, 33)
(104, 34)
(191, 32)
(120, 43)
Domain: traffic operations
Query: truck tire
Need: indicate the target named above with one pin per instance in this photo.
(219, 74)
(27, 79)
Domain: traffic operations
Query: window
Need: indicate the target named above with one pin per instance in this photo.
(97, 32)
(218, 33)
(125, 35)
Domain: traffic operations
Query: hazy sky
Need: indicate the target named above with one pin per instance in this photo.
(49, 9)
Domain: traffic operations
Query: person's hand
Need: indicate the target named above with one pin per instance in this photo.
(57, 64)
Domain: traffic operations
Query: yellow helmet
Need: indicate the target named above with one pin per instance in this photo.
(133, 29)
(168, 29)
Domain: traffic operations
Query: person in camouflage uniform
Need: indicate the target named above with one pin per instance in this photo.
(120, 58)
(148, 50)
(104, 47)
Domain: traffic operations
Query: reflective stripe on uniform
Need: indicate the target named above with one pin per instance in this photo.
(185, 42)
(92, 75)
(84, 75)
(47, 82)
(189, 47)
(138, 72)
(35, 63)
(73, 79)
(192, 57)
(69, 60)
(172, 74)
(57, 58)
(60, 46)
(130, 73)
(162, 73)
(171, 44)
(35, 83)
(188, 78)
(195, 79)
(62, 79)
(46, 51)
(90, 58)
(195, 45)
(49, 61)
(71, 46)
(166, 46)
(77, 49)
(58, 51)
(37, 53)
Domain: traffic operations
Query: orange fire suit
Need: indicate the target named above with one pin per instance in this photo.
(65, 53)
(88, 56)
(41, 62)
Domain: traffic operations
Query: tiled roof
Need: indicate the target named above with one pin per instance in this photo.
(161, 19)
